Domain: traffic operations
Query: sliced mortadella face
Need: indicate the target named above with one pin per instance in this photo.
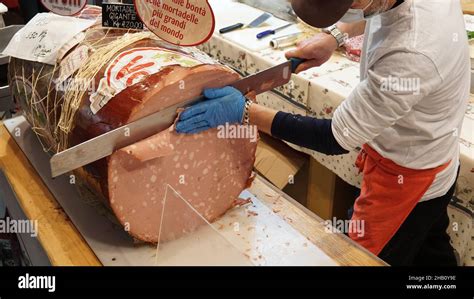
(157, 146)
(208, 172)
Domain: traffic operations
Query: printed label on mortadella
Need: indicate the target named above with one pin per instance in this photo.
(72, 63)
(133, 66)
(180, 22)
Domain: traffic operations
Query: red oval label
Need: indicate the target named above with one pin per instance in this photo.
(180, 22)
(64, 7)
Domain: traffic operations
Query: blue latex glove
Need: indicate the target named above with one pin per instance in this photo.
(221, 106)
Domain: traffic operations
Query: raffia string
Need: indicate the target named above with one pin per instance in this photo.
(38, 116)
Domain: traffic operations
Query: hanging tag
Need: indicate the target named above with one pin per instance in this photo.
(180, 22)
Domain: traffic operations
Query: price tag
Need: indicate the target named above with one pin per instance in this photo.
(44, 36)
(64, 7)
(180, 22)
(120, 16)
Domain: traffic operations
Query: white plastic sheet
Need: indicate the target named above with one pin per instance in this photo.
(204, 246)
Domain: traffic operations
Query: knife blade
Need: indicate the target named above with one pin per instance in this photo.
(104, 145)
(255, 23)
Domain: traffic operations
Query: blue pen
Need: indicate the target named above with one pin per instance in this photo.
(270, 32)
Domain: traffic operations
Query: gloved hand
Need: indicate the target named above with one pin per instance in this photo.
(222, 105)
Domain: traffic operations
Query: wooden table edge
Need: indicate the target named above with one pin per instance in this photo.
(51, 231)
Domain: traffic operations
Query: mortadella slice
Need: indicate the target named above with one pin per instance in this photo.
(207, 171)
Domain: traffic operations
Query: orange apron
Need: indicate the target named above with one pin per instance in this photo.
(389, 193)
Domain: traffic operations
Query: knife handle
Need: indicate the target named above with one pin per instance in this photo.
(265, 33)
(231, 28)
(296, 62)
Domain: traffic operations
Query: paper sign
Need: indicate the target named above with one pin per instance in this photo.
(180, 22)
(64, 7)
(44, 36)
(120, 16)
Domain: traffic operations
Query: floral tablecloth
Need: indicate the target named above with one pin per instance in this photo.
(318, 92)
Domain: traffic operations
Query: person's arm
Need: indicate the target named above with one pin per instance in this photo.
(318, 49)
(352, 29)
(262, 117)
(227, 105)
(308, 132)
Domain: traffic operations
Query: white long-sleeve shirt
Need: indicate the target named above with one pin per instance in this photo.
(414, 90)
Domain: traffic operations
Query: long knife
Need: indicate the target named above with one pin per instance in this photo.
(104, 145)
